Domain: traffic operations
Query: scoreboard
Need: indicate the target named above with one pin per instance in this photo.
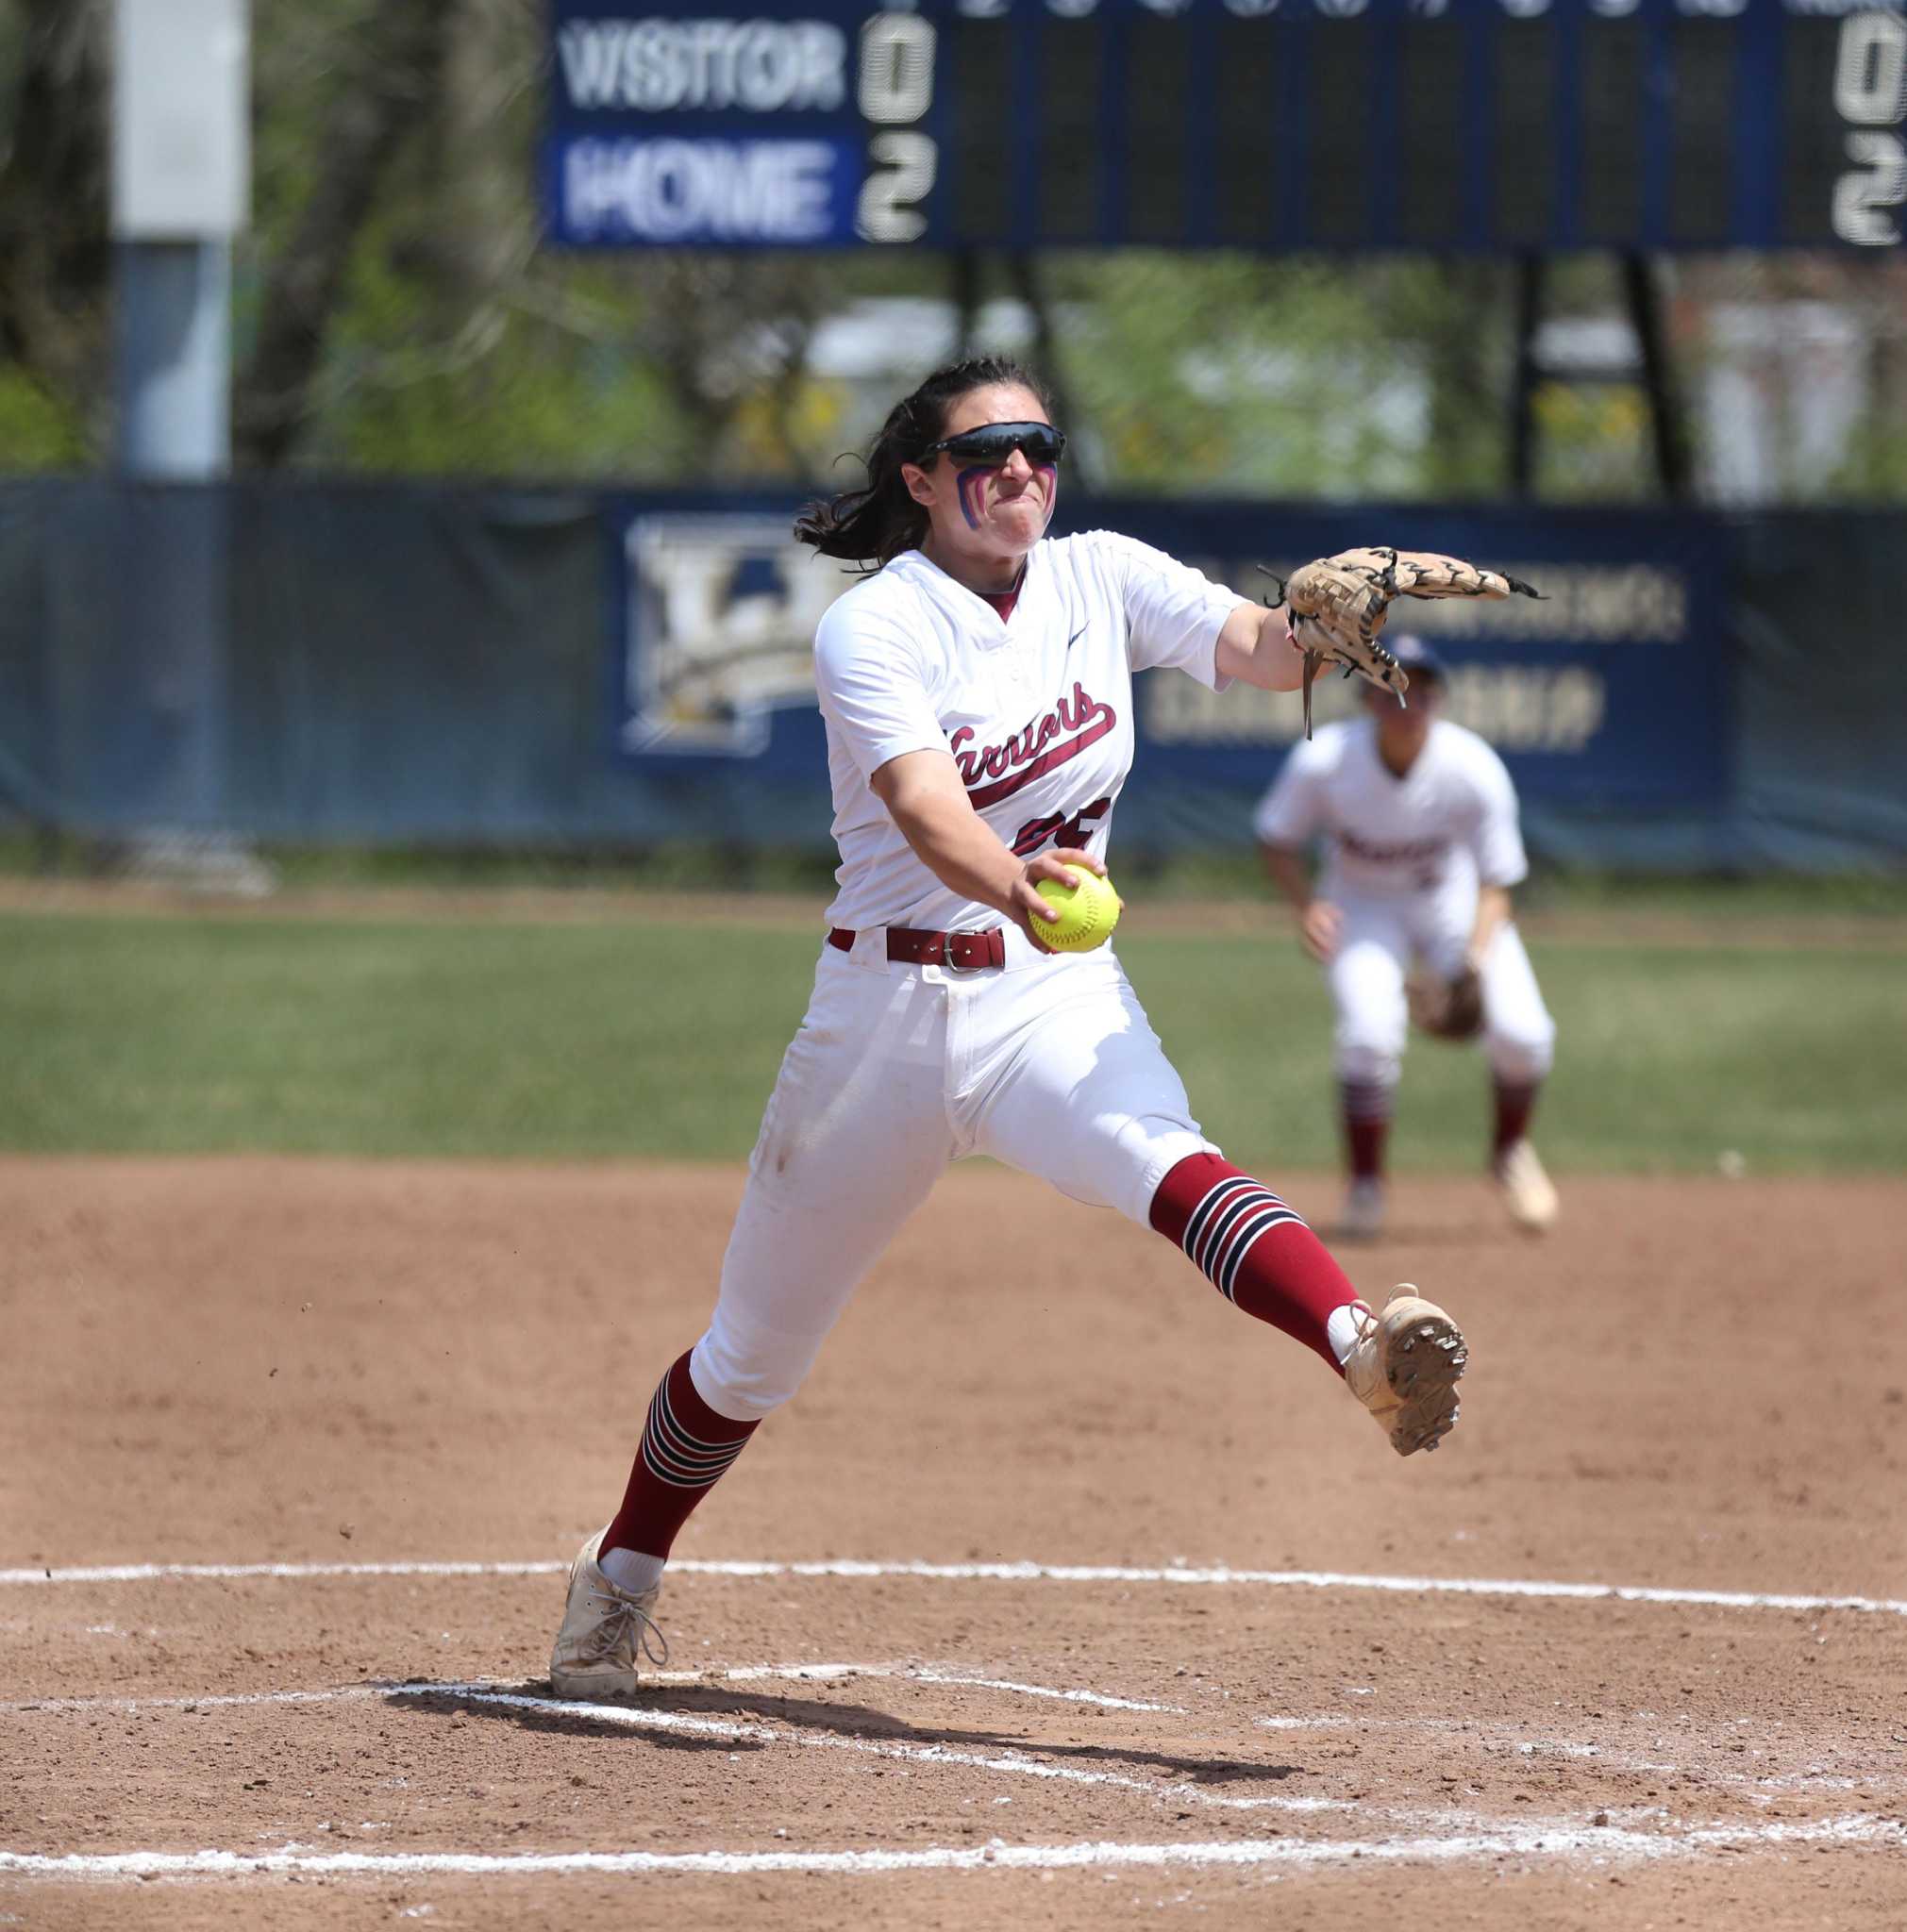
(1271, 124)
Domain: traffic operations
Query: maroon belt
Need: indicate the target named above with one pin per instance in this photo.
(962, 951)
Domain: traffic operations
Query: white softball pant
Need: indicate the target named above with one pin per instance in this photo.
(1376, 943)
(1048, 1065)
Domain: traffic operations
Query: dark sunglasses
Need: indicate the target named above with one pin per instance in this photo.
(993, 444)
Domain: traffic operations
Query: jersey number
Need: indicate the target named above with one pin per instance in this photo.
(1063, 831)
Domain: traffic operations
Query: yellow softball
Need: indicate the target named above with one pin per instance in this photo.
(1085, 911)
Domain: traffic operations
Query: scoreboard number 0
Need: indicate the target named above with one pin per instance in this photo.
(895, 89)
(1870, 94)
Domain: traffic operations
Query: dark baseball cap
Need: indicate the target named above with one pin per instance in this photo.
(1418, 657)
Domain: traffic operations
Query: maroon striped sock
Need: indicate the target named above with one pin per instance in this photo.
(686, 1447)
(1516, 1101)
(1253, 1249)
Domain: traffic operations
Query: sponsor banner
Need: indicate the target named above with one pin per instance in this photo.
(1612, 692)
(716, 619)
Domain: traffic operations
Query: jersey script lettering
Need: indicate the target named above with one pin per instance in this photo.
(1025, 757)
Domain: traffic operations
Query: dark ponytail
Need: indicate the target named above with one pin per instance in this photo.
(872, 527)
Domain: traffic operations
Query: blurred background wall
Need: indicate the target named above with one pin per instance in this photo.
(457, 666)
(500, 554)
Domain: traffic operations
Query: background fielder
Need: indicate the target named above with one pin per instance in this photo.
(1418, 823)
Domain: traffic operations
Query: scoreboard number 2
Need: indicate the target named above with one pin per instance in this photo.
(897, 90)
(1870, 94)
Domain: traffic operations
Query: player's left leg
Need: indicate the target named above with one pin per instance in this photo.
(853, 1137)
(1366, 980)
(1077, 1088)
(852, 1140)
(1519, 1040)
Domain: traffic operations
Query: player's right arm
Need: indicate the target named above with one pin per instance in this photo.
(873, 691)
(1289, 869)
(1289, 817)
(924, 797)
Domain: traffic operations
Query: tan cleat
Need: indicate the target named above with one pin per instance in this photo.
(1404, 1366)
(603, 1628)
(1528, 1195)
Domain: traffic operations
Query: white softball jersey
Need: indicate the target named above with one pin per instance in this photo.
(1403, 860)
(1455, 807)
(1048, 1064)
(1036, 709)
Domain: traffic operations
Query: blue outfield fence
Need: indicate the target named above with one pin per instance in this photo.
(389, 664)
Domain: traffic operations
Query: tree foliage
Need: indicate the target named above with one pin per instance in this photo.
(54, 263)
(396, 309)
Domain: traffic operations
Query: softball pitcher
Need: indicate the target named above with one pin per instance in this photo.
(977, 694)
(1411, 918)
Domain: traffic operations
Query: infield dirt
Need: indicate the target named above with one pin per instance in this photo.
(1692, 1385)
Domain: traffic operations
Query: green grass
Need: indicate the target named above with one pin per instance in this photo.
(171, 1035)
(676, 866)
(661, 1038)
(1666, 1058)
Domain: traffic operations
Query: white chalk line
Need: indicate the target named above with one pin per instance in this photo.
(632, 1717)
(1607, 1843)
(740, 1673)
(1021, 1763)
(1016, 1762)
(1094, 1697)
(1458, 1833)
(193, 1573)
(1483, 1732)
(915, 1673)
(1010, 1761)
(224, 1700)
(997, 1572)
